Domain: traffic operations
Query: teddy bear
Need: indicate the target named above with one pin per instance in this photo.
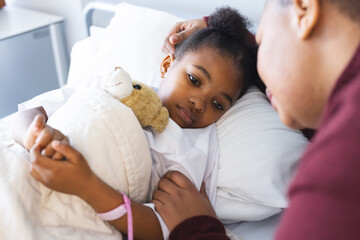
(142, 99)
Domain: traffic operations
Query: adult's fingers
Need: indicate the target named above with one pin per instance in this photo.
(175, 38)
(179, 179)
(166, 185)
(168, 47)
(159, 197)
(181, 36)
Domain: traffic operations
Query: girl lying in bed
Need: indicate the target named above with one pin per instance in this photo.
(202, 80)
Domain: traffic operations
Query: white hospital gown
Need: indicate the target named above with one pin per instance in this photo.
(193, 152)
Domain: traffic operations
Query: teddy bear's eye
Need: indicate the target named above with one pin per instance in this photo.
(137, 86)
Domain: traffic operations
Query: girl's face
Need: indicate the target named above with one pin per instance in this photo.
(199, 88)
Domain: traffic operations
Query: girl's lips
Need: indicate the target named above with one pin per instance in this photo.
(185, 115)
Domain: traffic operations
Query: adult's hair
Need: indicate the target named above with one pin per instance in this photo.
(350, 8)
(228, 33)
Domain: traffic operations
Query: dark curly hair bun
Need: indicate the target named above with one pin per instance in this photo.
(231, 22)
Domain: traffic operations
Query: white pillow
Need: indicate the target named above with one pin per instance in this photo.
(133, 40)
(257, 153)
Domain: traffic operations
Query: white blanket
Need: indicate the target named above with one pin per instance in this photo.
(120, 155)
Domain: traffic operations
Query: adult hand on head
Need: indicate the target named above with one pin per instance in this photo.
(180, 32)
(71, 176)
(177, 199)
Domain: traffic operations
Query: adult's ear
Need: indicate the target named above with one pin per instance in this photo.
(166, 63)
(307, 16)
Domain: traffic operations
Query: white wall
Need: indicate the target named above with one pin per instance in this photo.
(71, 10)
(200, 8)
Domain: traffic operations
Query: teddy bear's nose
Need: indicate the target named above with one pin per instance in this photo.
(137, 86)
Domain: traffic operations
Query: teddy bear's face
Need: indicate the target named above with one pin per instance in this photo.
(118, 84)
(142, 99)
(147, 107)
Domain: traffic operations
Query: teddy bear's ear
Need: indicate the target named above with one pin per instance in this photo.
(118, 84)
(161, 120)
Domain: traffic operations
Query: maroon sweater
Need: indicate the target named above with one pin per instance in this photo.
(199, 228)
(325, 194)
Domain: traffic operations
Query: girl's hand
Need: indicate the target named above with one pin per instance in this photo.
(177, 199)
(34, 130)
(71, 176)
(41, 134)
(180, 32)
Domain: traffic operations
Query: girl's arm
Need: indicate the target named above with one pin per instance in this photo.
(74, 176)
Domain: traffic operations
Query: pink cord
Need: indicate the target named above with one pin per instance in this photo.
(127, 203)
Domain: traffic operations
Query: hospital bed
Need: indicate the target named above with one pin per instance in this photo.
(257, 153)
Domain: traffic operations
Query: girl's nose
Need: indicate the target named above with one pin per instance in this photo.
(199, 104)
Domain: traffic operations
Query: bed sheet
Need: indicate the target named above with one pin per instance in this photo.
(256, 230)
(21, 199)
(5, 127)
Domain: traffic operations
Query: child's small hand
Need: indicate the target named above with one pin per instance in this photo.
(34, 130)
(71, 176)
(42, 134)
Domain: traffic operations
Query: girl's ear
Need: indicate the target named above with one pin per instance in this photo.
(166, 63)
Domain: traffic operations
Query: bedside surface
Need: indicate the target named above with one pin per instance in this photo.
(33, 56)
(15, 21)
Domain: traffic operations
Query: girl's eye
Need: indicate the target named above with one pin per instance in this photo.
(193, 80)
(218, 105)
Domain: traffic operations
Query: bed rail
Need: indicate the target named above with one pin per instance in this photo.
(107, 7)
